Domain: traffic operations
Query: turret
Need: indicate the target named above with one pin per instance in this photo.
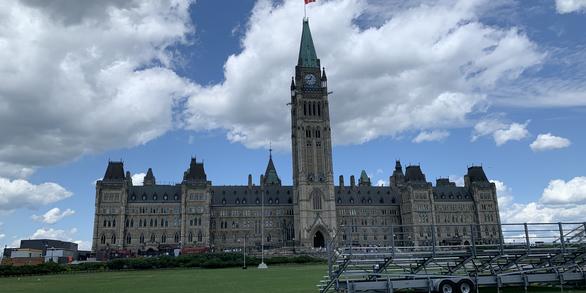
(364, 179)
(149, 178)
(271, 177)
(324, 78)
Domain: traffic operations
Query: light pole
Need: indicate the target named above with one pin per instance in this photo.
(262, 264)
(244, 254)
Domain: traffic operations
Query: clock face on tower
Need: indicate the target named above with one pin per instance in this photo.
(310, 79)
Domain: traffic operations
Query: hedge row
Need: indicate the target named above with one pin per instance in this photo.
(210, 260)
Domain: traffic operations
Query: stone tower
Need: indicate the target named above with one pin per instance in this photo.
(314, 202)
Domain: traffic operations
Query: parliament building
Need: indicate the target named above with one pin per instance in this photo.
(155, 218)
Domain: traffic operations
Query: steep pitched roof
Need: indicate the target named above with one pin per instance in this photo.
(271, 177)
(115, 171)
(307, 55)
(195, 171)
(476, 174)
(414, 174)
(364, 179)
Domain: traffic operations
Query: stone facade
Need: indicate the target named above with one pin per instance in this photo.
(195, 213)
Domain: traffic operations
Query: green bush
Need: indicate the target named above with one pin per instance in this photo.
(207, 260)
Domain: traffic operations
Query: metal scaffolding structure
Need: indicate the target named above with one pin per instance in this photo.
(429, 259)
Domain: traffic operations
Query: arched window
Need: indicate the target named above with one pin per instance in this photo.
(103, 239)
(151, 222)
(114, 223)
(164, 238)
(318, 109)
(141, 238)
(176, 238)
(128, 238)
(113, 239)
(105, 222)
(153, 238)
(199, 236)
(314, 112)
(269, 238)
(305, 108)
(316, 199)
(190, 237)
(131, 222)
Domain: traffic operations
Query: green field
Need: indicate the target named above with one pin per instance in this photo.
(281, 279)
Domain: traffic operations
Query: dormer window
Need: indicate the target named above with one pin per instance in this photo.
(224, 201)
(257, 201)
(144, 197)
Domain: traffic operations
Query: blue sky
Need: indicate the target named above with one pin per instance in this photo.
(443, 84)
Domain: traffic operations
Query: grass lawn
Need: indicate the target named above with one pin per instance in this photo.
(280, 279)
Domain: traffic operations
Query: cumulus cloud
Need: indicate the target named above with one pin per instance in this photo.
(561, 201)
(423, 67)
(434, 135)
(561, 192)
(53, 215)
(547, 141)
(1, 234)
(81, 77)
(501, 132)
(568, 6)
(20, 193)
(138, 178)
(57, 234)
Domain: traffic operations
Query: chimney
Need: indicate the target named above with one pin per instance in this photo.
(262, 179)
(249, 180)
(352, 181)
(341, 181)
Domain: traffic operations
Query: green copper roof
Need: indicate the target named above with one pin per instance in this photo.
(364, 179)
(307, 55)
(271, 177)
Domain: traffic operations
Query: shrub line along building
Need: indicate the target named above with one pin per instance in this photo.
(195, 213)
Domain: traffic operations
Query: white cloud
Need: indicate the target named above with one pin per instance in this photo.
(459, 180)
(20, 193)
(138, 178)
(560, 202)
(80, 77)
(548, 141)
(561, 192)
(434, 135)
(381, 182)
(568, 6)
(53, 215)
(504, 194)
(500, 131)
(57, 234)
(1, 234)
(515, 131)
(425, 66)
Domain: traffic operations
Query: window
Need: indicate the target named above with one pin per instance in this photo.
(153, 238)
(144, 197)
(165, 197)
(141, 238)
(199, 236)
(319, 109)
(316, 199)
(305, 108)
(105, 222)
(128, 238)
(164, 238)
(176, 197)
(317, 133)
(114, 223)
(113, 239)
(155, 197)
(103, 239)
(190, 237)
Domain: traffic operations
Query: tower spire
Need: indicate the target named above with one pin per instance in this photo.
(307, 55)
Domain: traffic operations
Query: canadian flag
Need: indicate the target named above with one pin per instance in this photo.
(309, 1)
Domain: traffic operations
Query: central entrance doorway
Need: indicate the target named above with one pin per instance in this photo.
(318, 240)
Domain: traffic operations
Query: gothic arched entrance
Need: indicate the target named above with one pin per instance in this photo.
(318, 240)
